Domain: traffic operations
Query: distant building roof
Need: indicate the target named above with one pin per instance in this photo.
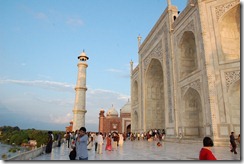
(112, 112)
(126, 108)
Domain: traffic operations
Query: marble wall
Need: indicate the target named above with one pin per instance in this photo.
(188, 76)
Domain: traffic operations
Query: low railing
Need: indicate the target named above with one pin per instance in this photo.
(28, 155)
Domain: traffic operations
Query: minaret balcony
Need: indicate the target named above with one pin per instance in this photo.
(81, 88)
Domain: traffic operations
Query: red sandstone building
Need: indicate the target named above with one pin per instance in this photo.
(113, 123)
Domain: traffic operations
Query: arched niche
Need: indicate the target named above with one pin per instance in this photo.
(128, 129)
(192, 116)
(229, 26)
(135, 92)
(135, 115)
(235, 104)
(188, 54)
(154, 96)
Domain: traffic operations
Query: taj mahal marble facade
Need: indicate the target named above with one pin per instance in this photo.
(188, 77)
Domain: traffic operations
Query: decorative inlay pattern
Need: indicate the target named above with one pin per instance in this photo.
(220, 10)
(168, 75)
(195, 85)
(155, 53)
(231, 77)
(135, 71)
(157, 36)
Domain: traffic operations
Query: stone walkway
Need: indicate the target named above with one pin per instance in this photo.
(144, 150)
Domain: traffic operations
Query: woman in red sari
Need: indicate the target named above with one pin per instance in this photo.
(206, 153)
(108, 143)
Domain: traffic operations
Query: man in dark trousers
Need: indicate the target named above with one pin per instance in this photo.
(49, 143)
(95, 139)
(72, 154)
(233, 143)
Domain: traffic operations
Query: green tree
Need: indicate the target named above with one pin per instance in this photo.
(15, 135)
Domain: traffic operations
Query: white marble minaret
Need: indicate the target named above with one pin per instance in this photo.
(80, 97)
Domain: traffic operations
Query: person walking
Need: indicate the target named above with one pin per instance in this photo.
(67, 137)
(206, 153)
(233, 143)
(81, 144)
(180, 137)
(95, 140)
(59, 139)
(99, 143)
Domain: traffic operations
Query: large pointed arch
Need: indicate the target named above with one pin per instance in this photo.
(229, 26)
(155, 106)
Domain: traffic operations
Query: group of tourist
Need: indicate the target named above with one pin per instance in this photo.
(82, 142)
(151, 135)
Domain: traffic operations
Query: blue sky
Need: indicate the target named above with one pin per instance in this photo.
(39, 44)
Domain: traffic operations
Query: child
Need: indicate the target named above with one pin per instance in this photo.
(159, 144)
(72, 154)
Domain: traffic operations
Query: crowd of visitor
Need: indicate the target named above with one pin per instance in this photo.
(113, 140)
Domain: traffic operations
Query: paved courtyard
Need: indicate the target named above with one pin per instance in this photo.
(144, 150)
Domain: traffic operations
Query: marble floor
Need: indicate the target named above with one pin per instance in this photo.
(144, 150)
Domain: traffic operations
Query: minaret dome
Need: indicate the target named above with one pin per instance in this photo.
(83, 57)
